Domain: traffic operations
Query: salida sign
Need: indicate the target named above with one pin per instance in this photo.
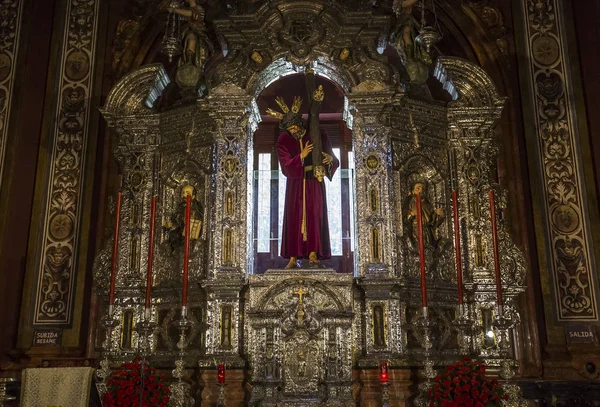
(580, 334)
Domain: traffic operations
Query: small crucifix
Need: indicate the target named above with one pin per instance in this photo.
(300, 292)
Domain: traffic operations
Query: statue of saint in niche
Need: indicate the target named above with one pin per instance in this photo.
(305, 223)
(431, 217)
(176, 223)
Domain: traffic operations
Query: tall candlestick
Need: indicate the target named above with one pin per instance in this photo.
(186, 249)
(113, 271)
(496, 252)
(421, 253)
(459, 274)
(221, 373)
(150, 255)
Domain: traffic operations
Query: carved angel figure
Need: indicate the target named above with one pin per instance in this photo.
(194, 51)
(415, 58)
(196, 44)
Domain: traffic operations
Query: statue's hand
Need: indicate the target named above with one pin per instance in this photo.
(319, 94)
(327, 159)
(306, 150)
(439, 211)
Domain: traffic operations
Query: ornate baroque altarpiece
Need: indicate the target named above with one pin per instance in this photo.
(299, 335)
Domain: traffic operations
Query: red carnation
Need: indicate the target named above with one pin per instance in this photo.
(124, 387)
(464, 384)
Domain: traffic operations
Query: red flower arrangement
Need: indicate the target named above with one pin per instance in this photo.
(464, 384)
(123, 387)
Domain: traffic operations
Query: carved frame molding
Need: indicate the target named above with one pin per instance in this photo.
(57, 255)
(567, 231)
(9, 44)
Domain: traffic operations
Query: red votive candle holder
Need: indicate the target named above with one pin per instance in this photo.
(221, 373)
(383, 372)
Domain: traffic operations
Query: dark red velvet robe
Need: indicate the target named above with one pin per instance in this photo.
(293, 245)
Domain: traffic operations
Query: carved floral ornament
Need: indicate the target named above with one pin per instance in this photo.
(9, 40)
(569, 255)
(60, 242)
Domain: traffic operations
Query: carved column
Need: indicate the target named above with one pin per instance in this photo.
(57, 270)
(376, 232)
(9, 44)
(138, 139)
(139, 160)
(561, 179)
(229, 246)
(230, 216)
(473, 151)
(372, 153)
(557, 141)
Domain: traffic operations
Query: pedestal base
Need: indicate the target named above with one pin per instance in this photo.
(235, 394)
(399, 383)
(300, 337)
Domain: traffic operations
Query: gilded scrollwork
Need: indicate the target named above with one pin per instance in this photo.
(298, 328)
(302, 363)
(62, 213)
(570, 257)
(491, 15)
(9, 41)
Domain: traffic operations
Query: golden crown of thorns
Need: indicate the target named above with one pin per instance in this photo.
(284, 107)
